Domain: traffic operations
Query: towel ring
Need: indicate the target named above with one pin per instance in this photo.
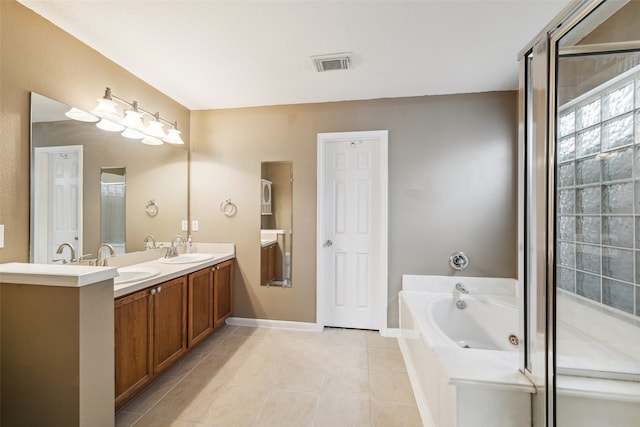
(228, 208)
(151, 208)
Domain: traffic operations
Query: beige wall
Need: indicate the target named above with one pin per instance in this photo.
(37, 56)
(451, 159)
(452, 187)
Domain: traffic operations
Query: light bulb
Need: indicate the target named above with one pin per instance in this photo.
(106, 109)
(133, 120)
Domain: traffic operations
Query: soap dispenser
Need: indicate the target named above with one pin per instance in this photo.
(189, 245)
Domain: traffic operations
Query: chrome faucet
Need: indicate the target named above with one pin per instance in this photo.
(73, 252)
(172, 251)
(149, 237)
(103, 261)
(461, 288)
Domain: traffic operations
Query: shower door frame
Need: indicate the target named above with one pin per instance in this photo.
(538, 139)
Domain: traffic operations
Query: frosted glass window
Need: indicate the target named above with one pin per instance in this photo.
(618, 102)
(588, 286)
(566, 149)
(568, 124)
(618, 166)
(588, 258)
(588, 200)
(618, 264)
(617, 198)
(617, 231)
(597, 184)
(566, 201)
(617, 132)
(566, 175)
(637, 127)
(567, 254)
(588, 142)
(588, 229)
(567, 228)
(617, 294)
(567, 279)
(588, 171)
(588, 115)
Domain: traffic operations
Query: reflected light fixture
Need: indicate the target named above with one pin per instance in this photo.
(154, 128)
(81, 115)
(173, 135)
(150, 140)
(109, 126)
(132, 125)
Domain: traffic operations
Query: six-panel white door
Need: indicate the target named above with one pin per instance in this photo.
(351, 217)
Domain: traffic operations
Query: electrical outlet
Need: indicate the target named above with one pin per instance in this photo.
(185, 225)
(1, 235)
(194, 225)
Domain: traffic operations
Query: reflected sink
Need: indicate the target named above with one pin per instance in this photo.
(134, 274)
(187, 258)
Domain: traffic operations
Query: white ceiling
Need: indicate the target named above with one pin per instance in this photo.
(226, 54)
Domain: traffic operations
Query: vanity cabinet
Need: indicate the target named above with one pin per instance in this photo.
(133, 319)
(150, 335)
(222, 292)
(200, 305)
(156, 326)
(268, 264)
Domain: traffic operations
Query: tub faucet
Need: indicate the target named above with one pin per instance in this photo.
(72, 258)
(461, 288)
(103, 261)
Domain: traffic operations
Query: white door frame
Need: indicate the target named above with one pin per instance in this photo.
(40, 198)
(381, 138)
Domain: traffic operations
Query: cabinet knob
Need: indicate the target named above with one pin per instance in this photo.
(153, 291)
(159, 289)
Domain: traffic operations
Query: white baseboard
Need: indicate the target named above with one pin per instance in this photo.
(390, 332)
(276, 324)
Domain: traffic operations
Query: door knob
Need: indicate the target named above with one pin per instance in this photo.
(328, 243)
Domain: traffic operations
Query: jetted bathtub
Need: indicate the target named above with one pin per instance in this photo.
(462, 351)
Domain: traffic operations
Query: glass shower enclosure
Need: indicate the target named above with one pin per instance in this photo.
(580, 210)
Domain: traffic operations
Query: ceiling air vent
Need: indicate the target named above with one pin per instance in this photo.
(334, 61)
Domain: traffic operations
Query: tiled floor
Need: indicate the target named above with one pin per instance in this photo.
(270, 377)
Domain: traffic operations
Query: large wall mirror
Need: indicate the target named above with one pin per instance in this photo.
(276, 222)
(79, 194)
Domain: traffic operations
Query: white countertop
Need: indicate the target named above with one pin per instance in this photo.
(54, 274)
(73, 275)
(221, 251)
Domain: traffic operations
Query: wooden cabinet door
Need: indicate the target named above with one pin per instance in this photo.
(200, 307)
(133, 318)
(222, 292)
(170, 322)
(264, 266)
(272, 263)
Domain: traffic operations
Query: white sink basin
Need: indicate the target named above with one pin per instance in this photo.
(187, 258)
(134, 274)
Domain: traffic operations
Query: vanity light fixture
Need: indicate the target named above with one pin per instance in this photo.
(132, 125)
(81, 115)
(173, 135)
(154, 128)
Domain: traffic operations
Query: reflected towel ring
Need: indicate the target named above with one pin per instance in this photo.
(228, 208)
(151, 207)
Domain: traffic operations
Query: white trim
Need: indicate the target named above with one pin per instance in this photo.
(382, 136)
(390, 332)
(416, 385)
(275, 324)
